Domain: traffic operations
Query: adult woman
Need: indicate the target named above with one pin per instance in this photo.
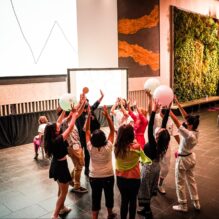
(140, 124)
(101, 170)
(56, 147)
(165, 160)
(154, 149)
(120, 114)
(93, 126)
(128, 153)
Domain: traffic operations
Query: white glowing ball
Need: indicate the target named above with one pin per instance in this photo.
(151, 84)
(66, 101)
(164, 95)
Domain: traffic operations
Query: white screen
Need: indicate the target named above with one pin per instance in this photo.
(38, 37)
(113, 83)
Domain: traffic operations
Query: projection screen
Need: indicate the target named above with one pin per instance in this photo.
(112, 81)
(38, 37)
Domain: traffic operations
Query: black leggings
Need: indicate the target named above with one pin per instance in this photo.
(99, 184)
(129, 190)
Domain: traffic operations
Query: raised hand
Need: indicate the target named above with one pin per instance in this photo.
(88, 109)
(155, 105)
(101, 93)
(118, 100)
(105, 110)
(148, 92)
(176, 100)
(82, 97)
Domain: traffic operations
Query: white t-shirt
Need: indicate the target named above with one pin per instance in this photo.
(41, 128)
(188, 140)
(171, 127)
(119, 119)
(100, 160)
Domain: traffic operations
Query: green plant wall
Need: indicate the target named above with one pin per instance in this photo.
(196, 55)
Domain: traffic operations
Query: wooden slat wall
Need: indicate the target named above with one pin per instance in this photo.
(29, 107)
(140, 97)
(47, 105)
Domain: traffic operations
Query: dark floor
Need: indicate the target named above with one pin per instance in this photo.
(27, 192)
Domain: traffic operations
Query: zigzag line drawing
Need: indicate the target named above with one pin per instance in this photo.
(56, 23)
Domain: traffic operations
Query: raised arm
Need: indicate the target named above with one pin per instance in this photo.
(148, 93)
(112, 111)
(101, 96)
(134, 117)
(110, 123)
(87, 126)
(128, 106)
(182, 111)
(175, 119)
(165, 118)
(81, 104)
(61, 117)
(73, 115)
(97, 103)
(142, 117)
(125, 113)
(151, 138)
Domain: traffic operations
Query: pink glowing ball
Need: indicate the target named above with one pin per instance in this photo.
(164, 95)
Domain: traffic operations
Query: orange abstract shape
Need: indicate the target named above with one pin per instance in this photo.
(140, 55)
(131, 26)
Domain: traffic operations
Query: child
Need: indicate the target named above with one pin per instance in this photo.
(38, 138)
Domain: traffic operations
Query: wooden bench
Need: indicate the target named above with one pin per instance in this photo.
(198, 102)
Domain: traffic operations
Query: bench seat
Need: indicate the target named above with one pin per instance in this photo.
(197, 102)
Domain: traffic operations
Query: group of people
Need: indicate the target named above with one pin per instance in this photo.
(141, 164)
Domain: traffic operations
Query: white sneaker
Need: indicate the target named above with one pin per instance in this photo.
(162, 190)
(180, 207)
(196, 204)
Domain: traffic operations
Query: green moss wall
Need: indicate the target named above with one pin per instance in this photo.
(196, 55)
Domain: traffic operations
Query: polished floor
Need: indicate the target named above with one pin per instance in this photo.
(27, 192)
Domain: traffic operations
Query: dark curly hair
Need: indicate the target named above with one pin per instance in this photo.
(98, 138)
(125, 137)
